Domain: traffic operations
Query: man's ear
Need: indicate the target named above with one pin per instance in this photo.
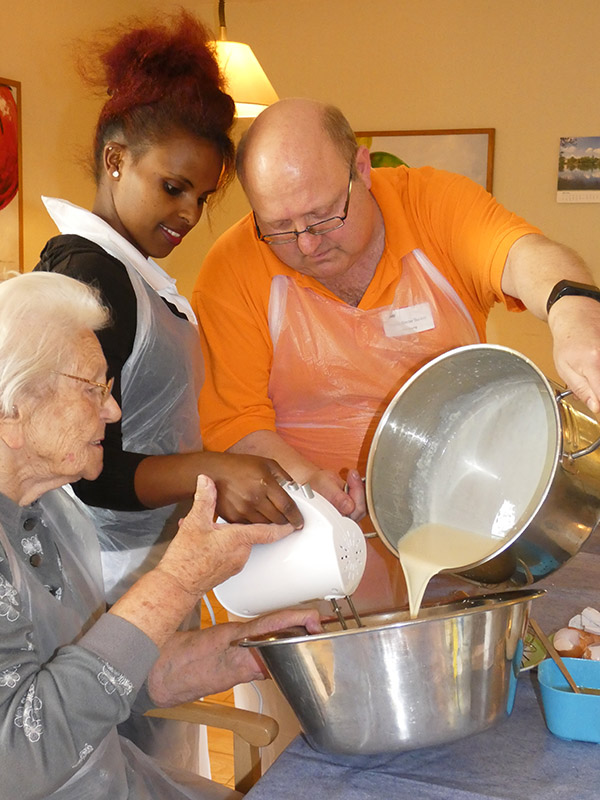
(363, 165)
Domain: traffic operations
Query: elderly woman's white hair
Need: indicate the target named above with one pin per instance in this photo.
(41, 316)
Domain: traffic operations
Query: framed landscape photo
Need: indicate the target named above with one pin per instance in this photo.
(11, 195)
(578, 170)
(467, 151)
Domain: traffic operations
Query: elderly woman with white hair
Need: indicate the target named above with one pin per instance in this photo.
(70, 671)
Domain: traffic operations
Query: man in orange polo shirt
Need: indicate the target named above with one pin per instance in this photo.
(318, 306)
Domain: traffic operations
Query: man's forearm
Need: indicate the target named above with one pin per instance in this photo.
(271, 445)
(534, 266)
(325, 482)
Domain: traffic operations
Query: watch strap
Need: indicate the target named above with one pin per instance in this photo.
(564, 288)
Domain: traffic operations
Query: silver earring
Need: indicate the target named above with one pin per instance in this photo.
(115, 173)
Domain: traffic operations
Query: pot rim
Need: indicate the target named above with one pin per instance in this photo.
(468, 606)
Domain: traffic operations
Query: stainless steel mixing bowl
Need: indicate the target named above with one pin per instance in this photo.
(400, 684)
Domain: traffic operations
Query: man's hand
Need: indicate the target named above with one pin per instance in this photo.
(348, 498)
(202, 662)
(533, 267)
(575, 326)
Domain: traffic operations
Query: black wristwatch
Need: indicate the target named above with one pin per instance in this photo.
(563, 288)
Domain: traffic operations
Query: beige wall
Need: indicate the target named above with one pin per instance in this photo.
(527, 68)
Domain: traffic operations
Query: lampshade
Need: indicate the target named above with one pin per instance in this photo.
(245, 78)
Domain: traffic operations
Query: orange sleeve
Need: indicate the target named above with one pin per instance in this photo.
(470, 232)
(230, 299)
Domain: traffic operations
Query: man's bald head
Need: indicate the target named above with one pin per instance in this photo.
(291, 135)
(301, 167)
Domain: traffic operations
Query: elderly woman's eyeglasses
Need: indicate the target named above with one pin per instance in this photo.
(105, 389)
(316, 229)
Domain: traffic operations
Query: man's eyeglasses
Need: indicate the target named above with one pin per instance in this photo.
(105, 388)
(316, 229)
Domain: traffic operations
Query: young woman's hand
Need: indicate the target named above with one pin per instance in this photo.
(249, 489)
(205, 553)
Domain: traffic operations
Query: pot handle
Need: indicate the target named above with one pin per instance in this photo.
(586, 450)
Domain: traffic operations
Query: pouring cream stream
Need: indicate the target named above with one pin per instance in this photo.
(428, 549)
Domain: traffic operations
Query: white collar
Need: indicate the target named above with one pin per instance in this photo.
(70, 218)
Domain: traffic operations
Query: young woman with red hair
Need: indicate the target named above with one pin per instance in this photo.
(162, 149)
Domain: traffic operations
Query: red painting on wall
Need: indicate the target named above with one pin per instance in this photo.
(11, 249)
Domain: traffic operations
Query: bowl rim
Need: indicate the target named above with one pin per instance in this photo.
(470, 605)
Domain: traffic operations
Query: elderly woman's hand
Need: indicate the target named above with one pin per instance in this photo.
(202, 555)
(205, 553)
(202, 662)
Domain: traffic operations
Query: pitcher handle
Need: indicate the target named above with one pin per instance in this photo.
(586, 450)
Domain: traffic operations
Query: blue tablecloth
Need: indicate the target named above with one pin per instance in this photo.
(518, 758)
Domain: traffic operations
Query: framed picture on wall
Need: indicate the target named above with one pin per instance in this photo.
(11, 195)
(579, 170)
(467, 151)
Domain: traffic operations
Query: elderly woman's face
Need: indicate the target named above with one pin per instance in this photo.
(64, 431)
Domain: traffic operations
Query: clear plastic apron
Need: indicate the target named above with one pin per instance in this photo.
(116, 769)
(57, 623)
(160, 384)
(336, 368)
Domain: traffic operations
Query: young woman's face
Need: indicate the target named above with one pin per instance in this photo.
(156, 199)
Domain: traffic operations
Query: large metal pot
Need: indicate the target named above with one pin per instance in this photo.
(479, 439)
(400, 684)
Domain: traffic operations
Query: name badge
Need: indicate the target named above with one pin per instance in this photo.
(412, 319)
